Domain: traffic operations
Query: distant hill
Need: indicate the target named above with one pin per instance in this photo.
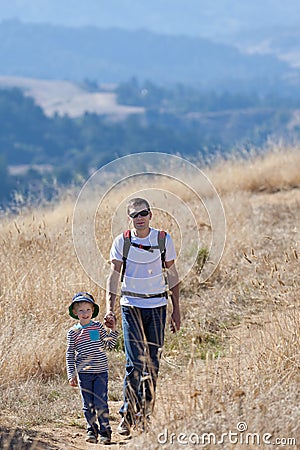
(80, 130)
(115, 55)
(205, 18)
(284, 42)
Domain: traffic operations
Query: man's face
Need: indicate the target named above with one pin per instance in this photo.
(140, 216)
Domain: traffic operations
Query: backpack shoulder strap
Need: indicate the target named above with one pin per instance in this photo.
(126, 247)
(161, 240)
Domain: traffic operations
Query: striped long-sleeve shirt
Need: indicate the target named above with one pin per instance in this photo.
(86, 348)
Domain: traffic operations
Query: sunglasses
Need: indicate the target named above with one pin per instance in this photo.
(142, 213)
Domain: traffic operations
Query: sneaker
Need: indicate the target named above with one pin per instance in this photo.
(106, 440)
(91, 437)
(124, 427)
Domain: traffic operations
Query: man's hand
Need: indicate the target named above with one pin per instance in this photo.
(175, 322)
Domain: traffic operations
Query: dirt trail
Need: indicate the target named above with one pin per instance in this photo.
(55, 437)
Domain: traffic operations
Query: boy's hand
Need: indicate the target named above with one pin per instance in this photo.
(73, 381)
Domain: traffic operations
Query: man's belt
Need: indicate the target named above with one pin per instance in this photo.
(136, 294)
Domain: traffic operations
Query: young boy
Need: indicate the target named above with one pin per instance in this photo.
(87, 364)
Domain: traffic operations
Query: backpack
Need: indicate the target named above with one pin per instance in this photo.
(161, 244)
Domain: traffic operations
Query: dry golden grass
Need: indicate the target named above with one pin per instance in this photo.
(236, 358)
(274, 170)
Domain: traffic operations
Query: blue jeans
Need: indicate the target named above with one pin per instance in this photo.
(93, 389)
(143, 330)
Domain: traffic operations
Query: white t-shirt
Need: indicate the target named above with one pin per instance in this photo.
(143, 274)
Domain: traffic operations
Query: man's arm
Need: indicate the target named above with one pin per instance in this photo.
(111, 291)
(173, 281)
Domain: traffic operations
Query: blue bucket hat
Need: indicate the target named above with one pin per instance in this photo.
(83, 297)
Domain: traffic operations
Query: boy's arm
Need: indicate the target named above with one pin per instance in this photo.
(109, 339)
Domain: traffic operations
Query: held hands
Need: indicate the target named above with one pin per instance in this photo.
(110, 320)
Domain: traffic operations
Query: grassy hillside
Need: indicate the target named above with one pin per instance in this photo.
(65, 97)
(236, 358)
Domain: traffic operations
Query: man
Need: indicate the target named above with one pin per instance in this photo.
(144, 295)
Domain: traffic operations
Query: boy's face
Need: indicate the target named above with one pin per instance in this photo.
(84, 311)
